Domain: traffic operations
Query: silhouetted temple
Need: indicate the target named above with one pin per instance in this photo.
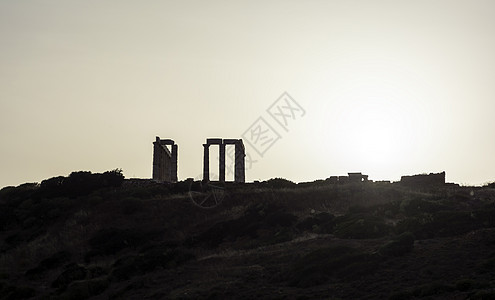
(165, 160)
(165, 157)
(239, 170)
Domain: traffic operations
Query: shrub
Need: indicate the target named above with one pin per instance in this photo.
(415, 225)
(49, 263)
(434, 288)
(491, 185)
(12, 196)
(71, 273)
(361, 227)
(79, 183)
(402, 295)
(256, 217)
(319, 266)
(465, 284)
(486, 266)
(85, 289)
(399, 246)
(158, 257)
(131, 205)
(109, 241)
(17, 292)
(321, 223)
(483, 295)
(278, 183)
(7, 217)
(446, 223)
(280, 218)
(418, 206)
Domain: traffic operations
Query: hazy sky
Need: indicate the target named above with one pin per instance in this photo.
(387, 88)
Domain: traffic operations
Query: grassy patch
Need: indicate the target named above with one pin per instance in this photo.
(319, 266)
(156, 257)
(446, 223)
(361, 226)
(320, 223)
(54, 261)
(256, 219)
(399, 246)
(71, 273)
(430, 289)
(109, 241)
(85, 289)
(16, 292)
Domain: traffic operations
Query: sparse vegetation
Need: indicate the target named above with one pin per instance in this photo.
(322, 265)
(398, 246)
(90, 235)
(360, 226)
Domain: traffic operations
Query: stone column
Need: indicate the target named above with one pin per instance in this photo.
(206, 162)
(175, 153)
(157, 160)
(239, 175)
(221, 175)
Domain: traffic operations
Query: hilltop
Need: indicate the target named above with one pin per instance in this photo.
(103, 237)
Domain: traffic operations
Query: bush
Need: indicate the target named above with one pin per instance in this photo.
(85, 289)
(7, 217)
(491, 185)
(71, 273)
(256, 217)
(431, 289)
(361, 227)
(79, 183)
(447, 223)
(49, 263)
(419, 206)
(399, 246)
(13, 195)
(278, 183)
(321, 265)
(402, 295)
(484, 295)
(280, 218)
(486, 266)
(465, 284)
(158, 257)
(17, 292)
(131, 205)
(109, 241)
(321, 223)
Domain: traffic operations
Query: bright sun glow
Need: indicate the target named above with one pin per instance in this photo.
(378, 126)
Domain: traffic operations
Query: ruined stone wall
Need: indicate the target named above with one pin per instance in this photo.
(164, 161)
(424, 179)
(351, 178)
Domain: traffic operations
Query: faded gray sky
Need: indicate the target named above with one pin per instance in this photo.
(389, 88)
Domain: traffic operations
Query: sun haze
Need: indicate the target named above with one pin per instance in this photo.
(386, 88)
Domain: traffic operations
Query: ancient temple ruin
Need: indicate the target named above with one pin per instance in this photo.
(164, 160)
(431, 179)
(239, 170)
(351, 178)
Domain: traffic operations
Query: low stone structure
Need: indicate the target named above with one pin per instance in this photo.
(239, 167)
(424, 179)
(333, 179)
(357, 177)
(165, 160)
(350, 178)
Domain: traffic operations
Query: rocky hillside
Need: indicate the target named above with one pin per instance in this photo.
(102, 237)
